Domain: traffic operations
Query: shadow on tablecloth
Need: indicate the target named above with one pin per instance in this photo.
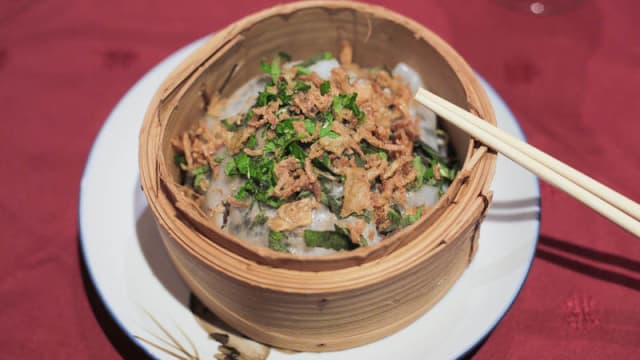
(117, 337)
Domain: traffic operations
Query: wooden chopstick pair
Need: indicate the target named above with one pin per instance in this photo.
(612, 205)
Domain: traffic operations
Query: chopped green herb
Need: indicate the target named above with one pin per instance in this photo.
(301, 70)
(235, 126)
(278, 241)
(325, 129)
(410, 219)
(363, 241)
(285, 127)
(179, 159)
(201, 170)
(421, 171)
(297, 152)
(265, 97)
(427, 152)
(370, 149)
(301, 86)
(283, 95)
(260, 219)
(323, 163)
(275, 69)
(334, 204)
(284, 56)
(196, 181)
(304, 194)
(252, 142)
(242, 162)
(231, 168)
(325, 87)
(314, 59)
(325, 132)
(399, 221)
(309, 126)
(344, 101)
(359, 161)
(336, 240)
(367, 215)
(220, 158)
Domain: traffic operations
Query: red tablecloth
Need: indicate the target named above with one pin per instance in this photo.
(571, 79)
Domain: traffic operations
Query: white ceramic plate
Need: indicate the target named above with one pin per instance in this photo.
(134, 276)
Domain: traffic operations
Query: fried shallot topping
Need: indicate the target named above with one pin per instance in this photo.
(347, 143)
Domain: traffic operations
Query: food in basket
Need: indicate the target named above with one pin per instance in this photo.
(317, 156)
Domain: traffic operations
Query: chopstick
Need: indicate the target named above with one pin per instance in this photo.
(612, 205)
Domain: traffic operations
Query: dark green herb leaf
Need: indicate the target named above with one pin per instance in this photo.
(201, 170)
(220, 158)
(197, 180)
(334, 204)
(265, 67)
(301, 86)
(325, 87)
(363, 241)
(265, 97)
(399, 221)
(410, 219)
(367, 215)
(275, 69)
(242, 161)
(309, 126)
(252, 142)
(231, 169)
(284, 56)
(260, 219)
(295, 150)
(344, 101)
(301, 70)
(323, 163)
(359, 161)
(235, 126)
(338, 102)
(335, 240)
(285, 127)
(304, 194)
(421, 171)
(269, 147)
(314, 59)
(423, 149)
(278, 241)
(179, 159)
(283, 95)
(230, 126)
(326, 132)
(370, 149)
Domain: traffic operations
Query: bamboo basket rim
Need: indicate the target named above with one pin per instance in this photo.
(474, 178)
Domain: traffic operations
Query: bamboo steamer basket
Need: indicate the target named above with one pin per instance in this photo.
(329, 302)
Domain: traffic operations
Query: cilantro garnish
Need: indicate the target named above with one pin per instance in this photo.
(399, 221)
(314, 59)
(201, 170)
(337, 239)
(344, 101)
(179, 159)
(325, 87)
(301, 86)
(278, 241)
